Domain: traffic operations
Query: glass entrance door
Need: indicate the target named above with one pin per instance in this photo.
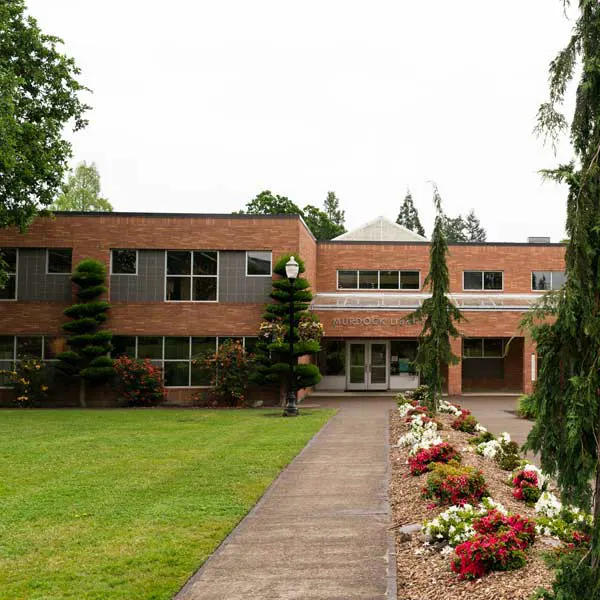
(367, 365)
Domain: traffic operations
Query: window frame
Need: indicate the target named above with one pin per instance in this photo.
(48, 272)
(483, 356)
(15, 274)
(482, 289)
(378, 288)
(551, 280)
(14, 358)
(270, 274)
(191, 277)
(137, 258)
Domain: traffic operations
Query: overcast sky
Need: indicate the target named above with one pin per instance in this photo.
(199, 105)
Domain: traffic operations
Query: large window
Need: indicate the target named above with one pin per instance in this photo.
(379, 280)
(258, 264)
(59, 261)
(192, 276)
(332, 358)
(9, 256)
(124, 262)
(483, 347)
(403, 354)
(483, 280)
(547, 280)
(22, 347)
(175, 355)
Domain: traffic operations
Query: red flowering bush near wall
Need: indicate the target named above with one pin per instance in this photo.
(498, 545)
(526, 487)
(422, 461)
(465, 422)
(450, 484)
(140, 382)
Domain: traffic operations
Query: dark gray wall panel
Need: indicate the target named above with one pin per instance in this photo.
(147, 286)
(33, 282)
(234, 286)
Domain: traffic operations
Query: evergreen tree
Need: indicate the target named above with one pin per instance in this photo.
(332, 209)
(567, 393)
(322, 227)
(87, 357)
(438, 314)
(82, 191)
(408, 216)
(272, 348)
(454, 229)
(474, 232)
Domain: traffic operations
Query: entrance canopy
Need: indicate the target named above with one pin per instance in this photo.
(411, 301)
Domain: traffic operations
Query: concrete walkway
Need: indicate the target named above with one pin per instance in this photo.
(321, 530)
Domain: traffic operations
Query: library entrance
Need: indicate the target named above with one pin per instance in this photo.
(368, 365)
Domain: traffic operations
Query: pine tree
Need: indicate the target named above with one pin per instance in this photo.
(272, 349)
(332, 209)
(567, 393)
(454, 229)
(87, 357)
(437, 313)
(474, 232)
(408, 216)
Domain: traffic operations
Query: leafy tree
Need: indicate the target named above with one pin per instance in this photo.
(272, 349)
(82, 191)
(474, 232)
(38, 98)
(437, 313)
(322, 227)
(454, 228)
(567, 393)
(408, 215)
(267, 203)
(89, 346)
(333, 211)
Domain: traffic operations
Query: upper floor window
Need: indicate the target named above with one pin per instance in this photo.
(59, 260)
(124, 262)
(192, 276)
(258, 264)
(9, 256)
(483, 280)
(378, 280)
(547, 280)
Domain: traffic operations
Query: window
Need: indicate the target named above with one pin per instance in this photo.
(59, 261)
(258, 264)
(483, 348)
(483, 280)
(22, 347)
(124, 262)
(9, 256)
(191, 276)
(332, 358)
(379, 280)
(547, 280)
(403, 354)
(123, 346)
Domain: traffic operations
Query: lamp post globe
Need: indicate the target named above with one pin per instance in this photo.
(292, 268)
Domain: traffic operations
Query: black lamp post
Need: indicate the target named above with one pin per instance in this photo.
(291, 408)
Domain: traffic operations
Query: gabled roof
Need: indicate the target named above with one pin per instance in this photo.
(380, 230)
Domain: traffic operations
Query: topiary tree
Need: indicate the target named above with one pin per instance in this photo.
(87, 357)
(438, 314)
(272, 349)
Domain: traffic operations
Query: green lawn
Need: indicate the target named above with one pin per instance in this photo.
(127, 504)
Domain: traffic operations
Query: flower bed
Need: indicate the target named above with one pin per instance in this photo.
(423, 460)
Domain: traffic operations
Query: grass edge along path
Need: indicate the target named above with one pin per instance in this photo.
(128, 504)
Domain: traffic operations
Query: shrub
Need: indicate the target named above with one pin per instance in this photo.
(567, 523)
(440, 453)
(526, 408)
(401, 399)
(420, 394)
(526, 487)
(140, 382)
(508, 457)
(449, 408)
(574, 577)
(449, 484)
(482, 438)
(465, 422)
(498, 545)
(30, 381)
(423, 433)
(230, 368)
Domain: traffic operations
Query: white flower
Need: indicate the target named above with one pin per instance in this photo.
(548, 505)
(446, 550)
(404, 409)
(504, 437)
(480, 428)
(488, 449)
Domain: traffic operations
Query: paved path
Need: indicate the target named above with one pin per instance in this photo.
(321, 530)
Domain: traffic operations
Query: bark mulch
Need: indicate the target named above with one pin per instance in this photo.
(423, 572)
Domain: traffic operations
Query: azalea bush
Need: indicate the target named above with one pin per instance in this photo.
(449, 408)
(526, 488)
(422, 434)
(499, 544)
(30, 380)
(401, 399)
(422, 461)
(481, 438)
(492, 448)
(455, 525)
(140, 382)
(508, 457)
(566, 523)
(450, 484)
(465, 422)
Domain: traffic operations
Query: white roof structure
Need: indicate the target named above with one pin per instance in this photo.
(380, 230)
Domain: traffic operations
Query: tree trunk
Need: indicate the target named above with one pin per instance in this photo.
(596, 526)
(82, 393)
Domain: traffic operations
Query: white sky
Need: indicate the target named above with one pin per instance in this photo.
(200, 105)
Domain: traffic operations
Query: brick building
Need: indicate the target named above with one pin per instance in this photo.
(181, 283)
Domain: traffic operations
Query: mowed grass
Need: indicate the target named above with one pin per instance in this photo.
(127, 504)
